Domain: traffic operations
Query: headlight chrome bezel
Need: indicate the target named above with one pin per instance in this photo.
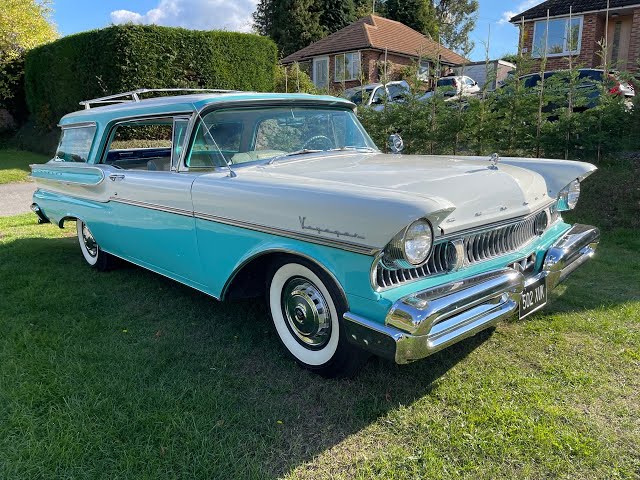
(568, 197)
(395, 254)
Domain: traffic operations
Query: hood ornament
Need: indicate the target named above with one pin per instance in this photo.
(495, 159)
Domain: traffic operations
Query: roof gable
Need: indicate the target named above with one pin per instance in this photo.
(373, 32)
(561, 7)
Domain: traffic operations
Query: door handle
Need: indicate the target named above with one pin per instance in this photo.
(116, 177)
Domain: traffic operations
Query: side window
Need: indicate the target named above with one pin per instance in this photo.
(75, 144)
(378, 96)
(215, 143)
(142, 145)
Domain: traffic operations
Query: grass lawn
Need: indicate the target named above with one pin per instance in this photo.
(14, 164)
(127, 374)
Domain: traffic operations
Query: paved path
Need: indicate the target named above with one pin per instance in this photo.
(15, 198)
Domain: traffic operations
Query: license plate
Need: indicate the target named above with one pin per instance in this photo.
(534, 297)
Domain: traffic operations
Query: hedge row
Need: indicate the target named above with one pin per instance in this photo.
(122, 58)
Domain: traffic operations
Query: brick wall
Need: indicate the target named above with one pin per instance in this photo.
(369, 64)
(634, 44)
(370, 60)
(593, 25)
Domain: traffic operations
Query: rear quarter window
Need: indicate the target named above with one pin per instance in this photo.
(75, 144)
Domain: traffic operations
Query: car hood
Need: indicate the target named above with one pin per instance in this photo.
(479, 193)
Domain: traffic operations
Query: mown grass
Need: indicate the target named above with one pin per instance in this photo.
(129, 375)
(14, 164)
(126, 374)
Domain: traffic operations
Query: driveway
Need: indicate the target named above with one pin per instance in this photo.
(15, 198)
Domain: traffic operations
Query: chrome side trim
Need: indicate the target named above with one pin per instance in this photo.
(153, 206)
(342, 245)
(329, 242)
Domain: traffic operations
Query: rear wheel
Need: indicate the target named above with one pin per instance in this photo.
(307, 307)
(91, 251)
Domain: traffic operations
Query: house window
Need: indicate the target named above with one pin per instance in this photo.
(347, 67)
(558, 36)
(423, 71)
(321, 72)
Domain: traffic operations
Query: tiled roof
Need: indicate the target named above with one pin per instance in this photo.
(373, 32)
(561, 7)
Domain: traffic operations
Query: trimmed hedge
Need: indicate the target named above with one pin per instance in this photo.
(122, 58)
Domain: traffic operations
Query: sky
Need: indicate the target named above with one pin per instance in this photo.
(73, 16)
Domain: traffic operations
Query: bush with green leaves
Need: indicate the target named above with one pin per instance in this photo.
(562, 117)
(126, 57)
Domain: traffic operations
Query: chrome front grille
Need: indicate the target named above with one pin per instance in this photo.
(438, 263)
(491, 242)
(502, 240)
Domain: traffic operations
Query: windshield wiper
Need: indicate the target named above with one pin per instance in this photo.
(310, 150)
(294, 153)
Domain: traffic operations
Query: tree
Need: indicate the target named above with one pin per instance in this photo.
(24, 24)
(417, 14)
(292, 24)
(336, 14)
(456, 20)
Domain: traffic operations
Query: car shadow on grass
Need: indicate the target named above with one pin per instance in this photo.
(178, 381)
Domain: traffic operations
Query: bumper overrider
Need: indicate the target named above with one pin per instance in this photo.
(429, 320)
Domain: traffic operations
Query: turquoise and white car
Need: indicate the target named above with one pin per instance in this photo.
(242, 194)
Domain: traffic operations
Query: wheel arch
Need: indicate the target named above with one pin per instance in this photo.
(251, 272)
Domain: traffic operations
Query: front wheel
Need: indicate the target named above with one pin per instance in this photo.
(91, 251)
(307, 307)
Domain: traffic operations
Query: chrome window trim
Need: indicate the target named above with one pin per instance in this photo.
(111, 128)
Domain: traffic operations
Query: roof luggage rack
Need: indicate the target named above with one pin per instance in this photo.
(134, 95)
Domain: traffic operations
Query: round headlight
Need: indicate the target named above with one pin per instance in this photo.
(409, 248)
(568, 196)
(418, 240)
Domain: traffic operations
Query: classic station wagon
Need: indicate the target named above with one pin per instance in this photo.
(286, 196)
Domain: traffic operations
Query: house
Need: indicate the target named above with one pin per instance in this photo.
(357, 53)
(491, 73)
(577, 27)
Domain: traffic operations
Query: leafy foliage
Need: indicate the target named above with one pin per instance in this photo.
(24, 24)
(417, 14)
(293, 79)
(563, 118)
(292, 24)
(123, 58)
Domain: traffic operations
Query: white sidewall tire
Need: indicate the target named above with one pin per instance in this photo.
(310, 357)
(85, 253)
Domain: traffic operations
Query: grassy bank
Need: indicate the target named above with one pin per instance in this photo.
(14, 164)
(127, 374)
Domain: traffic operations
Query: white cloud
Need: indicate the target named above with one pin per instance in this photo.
(194, 14)
(521, 7)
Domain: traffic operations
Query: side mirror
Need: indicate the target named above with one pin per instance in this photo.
(396, 145)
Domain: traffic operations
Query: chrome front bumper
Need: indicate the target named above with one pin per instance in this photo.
(429, 320)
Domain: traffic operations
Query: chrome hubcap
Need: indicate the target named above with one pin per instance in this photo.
(89, 241)
(308, 316)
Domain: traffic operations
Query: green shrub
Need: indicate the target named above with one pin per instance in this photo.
(123, 58)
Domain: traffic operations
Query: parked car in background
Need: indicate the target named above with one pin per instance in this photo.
(589, 86)
(375, 94)
(287, 198)
(458, 86)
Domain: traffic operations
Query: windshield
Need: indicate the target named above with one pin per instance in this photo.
(239, 136)
(360, 95)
